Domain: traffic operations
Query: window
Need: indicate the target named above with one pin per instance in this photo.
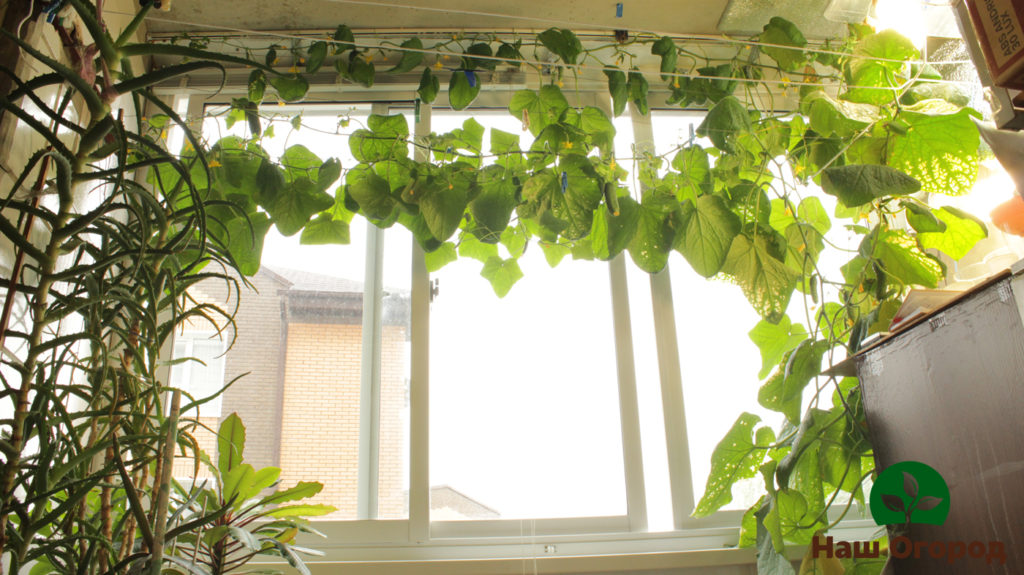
(200, 372)
(320, 367)
(396, 388)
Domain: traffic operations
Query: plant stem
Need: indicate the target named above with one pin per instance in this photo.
(40, 301)
(164, 493)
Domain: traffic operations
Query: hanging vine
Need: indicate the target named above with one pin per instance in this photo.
(873, 127)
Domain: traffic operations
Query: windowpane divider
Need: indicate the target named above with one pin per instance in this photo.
(676, 443)
(629, 409)
(419, 393)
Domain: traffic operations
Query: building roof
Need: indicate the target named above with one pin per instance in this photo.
(305, 281)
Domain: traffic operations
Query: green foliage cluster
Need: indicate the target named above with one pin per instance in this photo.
(102, 267)
(742, 208)
(249, 520)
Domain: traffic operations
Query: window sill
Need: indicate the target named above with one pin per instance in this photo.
(579, 553)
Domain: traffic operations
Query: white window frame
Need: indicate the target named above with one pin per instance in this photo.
(214, 407)
(366, 542)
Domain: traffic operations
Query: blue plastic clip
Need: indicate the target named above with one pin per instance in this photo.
(417, 108)
(692, 135)
(618, 10)
(565, 182)
(51, 11)
(471, 76)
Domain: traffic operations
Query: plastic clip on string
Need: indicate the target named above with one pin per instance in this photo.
(565, 182)
(52, 9)
(618, 10)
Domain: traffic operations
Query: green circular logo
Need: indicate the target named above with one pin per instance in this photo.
(909, 492)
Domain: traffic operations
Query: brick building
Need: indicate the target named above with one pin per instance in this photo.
(298, 362)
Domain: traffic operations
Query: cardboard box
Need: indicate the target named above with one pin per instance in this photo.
(997, 24)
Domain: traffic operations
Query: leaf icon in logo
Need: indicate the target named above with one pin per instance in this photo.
(928, 502)
(909, 485)
(893, 502)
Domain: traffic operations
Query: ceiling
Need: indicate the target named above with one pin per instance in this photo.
(668, 17)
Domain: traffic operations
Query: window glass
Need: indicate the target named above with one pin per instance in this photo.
(524, 417)
(202, 375)
(298, 356)
(718, 364)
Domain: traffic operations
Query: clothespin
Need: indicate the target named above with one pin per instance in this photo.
(471, 76)
(51, 11)
(693, 135)
(565, 182)
(416, 107)
(618, 10)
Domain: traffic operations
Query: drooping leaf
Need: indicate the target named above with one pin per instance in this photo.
(666, 48)
(385, 140)
(735, 457)
(638, 88)
(492, 209)
(411, 57)
(554, 253)
(293, 207)
(370, 192)
(618, 89)
(470, 247)
(655, 233)
(693, 164)
(563, 43)
(767, 281)
(502, 274)
(770, 559)
(343, 39)
(831, 117)
(568, 211)
(315, 56)
(939, 148)
(299, 162)
(783, 392)
(901, 259)
(538, 109)
(725, 122)
(430, 85)
(257, 86)
(611, 234)
(859, 184)
(246, 241)
(875, 69)
(812, 212)
(921, 218)
(706, 233)
(461, 91)
(820, 564)
(441, 257)
(325, 229)
(962, 232)
(774, 340)
(473, 60)
(290, 88)
(780, 32)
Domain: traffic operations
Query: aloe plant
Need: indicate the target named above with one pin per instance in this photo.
(103, 263)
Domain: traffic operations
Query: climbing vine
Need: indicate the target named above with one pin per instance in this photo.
(872, 126)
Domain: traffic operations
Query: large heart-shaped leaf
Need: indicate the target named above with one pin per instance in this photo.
(707, 230)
